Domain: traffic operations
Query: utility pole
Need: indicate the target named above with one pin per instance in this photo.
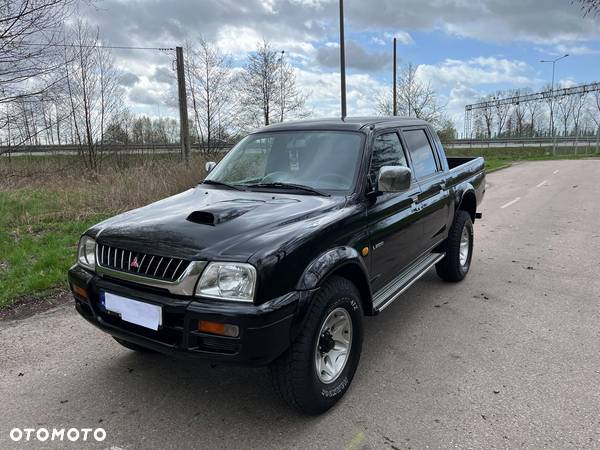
(342, 60)
(9, 137)
(184, 131)
(553, 61)
(395, 93)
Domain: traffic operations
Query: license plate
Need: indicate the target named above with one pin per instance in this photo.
(133, 311)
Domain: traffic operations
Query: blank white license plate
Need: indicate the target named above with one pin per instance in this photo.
(134, 311)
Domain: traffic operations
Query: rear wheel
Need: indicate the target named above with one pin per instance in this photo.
(459, 249)
(318, 368)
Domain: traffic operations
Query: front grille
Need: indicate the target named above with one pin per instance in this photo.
(144, 264)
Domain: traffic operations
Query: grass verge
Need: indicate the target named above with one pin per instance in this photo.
(34, 259)
(46, 205)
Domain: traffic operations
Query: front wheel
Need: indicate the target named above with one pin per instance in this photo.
(318, 368)
(459, 249)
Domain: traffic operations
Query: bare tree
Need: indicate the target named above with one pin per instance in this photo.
(533, 110)
(416, 98)
(589, 6)
(487, 115)
(594, 112)
(259, 84)
(565, 107)
(29, 32)
(291, 101)
(518, 112)
(447, 131)
(267, 96)
(502, 112)
(212, 100)
(92, 91)
(578, 105)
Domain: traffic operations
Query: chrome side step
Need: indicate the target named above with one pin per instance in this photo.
(391, 291)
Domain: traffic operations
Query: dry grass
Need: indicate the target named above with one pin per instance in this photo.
(70, 192)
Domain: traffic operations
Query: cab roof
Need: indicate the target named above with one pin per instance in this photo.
(346, 124)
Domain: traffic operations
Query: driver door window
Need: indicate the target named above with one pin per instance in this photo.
(387, 151)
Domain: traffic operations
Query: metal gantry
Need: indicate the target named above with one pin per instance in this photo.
(518, 99)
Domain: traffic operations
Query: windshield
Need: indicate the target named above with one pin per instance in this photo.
(324, 160)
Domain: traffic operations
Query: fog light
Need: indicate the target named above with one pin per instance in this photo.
(222, 329)
(79, 291)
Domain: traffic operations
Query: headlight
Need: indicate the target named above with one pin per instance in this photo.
(228, 281)
(86, 255)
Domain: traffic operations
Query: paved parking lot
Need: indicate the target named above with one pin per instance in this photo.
(508, 358)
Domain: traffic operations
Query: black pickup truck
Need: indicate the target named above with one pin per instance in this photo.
(301, 230)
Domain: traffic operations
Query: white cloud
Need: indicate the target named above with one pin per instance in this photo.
(550, 21)
(386, 38)
(575, 49)
(324, 93)
(476, 71)
(356, 57)
(401, 36)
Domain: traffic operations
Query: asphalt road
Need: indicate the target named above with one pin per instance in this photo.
(508, 358)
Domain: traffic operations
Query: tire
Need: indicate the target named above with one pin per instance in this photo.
(132, 346)
(294, 375)
(452, 268)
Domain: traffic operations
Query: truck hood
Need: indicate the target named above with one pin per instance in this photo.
(208, 223)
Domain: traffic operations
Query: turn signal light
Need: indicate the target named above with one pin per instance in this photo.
(81, 292)
(222, 329)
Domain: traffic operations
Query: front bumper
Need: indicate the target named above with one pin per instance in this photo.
(265, 330)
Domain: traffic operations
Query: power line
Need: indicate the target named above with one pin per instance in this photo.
(118, 47)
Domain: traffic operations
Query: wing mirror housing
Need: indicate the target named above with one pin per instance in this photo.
(209, 166)
(394, 179)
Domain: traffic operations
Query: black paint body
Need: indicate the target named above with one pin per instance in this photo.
(295, 241)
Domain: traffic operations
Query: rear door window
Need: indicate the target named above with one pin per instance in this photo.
(422, 157)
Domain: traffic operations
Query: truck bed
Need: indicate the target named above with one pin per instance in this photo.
(455, 161)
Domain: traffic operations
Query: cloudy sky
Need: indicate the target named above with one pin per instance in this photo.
(465, 48)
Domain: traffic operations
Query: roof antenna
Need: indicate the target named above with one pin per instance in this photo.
(342, 60)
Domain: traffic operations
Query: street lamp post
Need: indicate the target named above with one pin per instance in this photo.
(553, 61)
(342, 61)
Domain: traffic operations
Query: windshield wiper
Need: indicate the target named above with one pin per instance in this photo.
(221, 183)
(298, 187)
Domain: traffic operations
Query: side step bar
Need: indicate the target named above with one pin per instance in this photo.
(391, 291)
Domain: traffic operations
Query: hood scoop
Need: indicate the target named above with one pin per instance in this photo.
(221, 212)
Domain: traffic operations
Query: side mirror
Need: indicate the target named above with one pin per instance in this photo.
(394, 179)
(209, 166)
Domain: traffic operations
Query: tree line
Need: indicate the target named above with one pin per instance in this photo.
(60, 85)
(572, 115)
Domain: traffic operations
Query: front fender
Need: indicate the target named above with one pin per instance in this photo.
(326, 263)
(319, 269)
